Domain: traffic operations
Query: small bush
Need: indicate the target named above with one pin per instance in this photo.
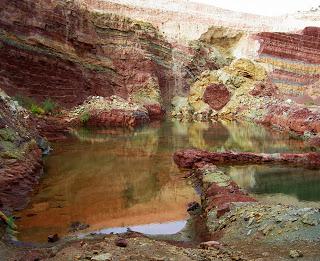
(35, 109)
(85, 117)
(49, 106)
(46, 107)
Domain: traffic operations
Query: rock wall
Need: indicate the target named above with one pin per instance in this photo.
(232, 214)
(20, 154)
(62, 50)
(182, 21)
(295, 58)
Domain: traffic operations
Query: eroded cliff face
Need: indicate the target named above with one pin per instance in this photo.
(295, 59)
(245, 90)
(62, 50)
(20, 154)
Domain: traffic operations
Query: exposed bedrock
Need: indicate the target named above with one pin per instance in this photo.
(20, 154)
(293, 117)
(245, 90)
(60, 49)
(193, 158)
(112, 111)
(219, 191)
(212, 51)
(220, 91)
(216, 95)
(68, 51)
(232, 214)
(295, 58)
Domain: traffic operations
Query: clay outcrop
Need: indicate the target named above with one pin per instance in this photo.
(21, 150)
(192, 158)
(295, 59)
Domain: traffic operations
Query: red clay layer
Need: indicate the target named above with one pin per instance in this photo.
(293, 118)
(101, 56)
(18, 178)
(217, 96)
(118, 118)
(191, 158)
(220, 197)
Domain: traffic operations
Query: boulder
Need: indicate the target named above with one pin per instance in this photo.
(217, 96)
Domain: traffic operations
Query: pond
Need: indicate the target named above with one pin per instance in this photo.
(112, 179)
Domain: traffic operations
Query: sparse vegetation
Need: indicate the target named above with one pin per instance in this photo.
(24, 101)
(35, 109)
(46, 107)
(49, 106)
(85, 117)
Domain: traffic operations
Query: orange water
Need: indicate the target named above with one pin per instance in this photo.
(111, 178)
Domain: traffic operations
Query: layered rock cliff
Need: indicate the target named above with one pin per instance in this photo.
(295, 59)
(20, 154)
(62, 50)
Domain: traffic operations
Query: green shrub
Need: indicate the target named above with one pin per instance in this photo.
(35, 109)
(46, 107)
(85, 117)
(49, 106)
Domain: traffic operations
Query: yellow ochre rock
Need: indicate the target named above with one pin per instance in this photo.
(248, 69)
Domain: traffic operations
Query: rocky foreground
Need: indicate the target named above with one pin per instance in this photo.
(233, 215)
(21, 154)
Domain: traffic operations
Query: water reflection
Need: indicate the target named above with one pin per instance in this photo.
(111, 178)
(298, 183)
(168, 228)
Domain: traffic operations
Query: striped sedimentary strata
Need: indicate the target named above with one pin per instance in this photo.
(295, 58)
(60, 49)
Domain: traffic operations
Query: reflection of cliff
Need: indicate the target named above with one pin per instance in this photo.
(123, 179)
(244, 176)
(139, 142)
(112, 178)
(200, 135)
(300, 183)
(195, 133)
(236, 136)
(246, 136)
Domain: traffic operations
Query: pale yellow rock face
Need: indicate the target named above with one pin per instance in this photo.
(243, 74)
(249, 69)
(240, 78)
(180, 107)
(225, 39)
(183, 21)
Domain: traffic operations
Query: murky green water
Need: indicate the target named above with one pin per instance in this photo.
(110, 179)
